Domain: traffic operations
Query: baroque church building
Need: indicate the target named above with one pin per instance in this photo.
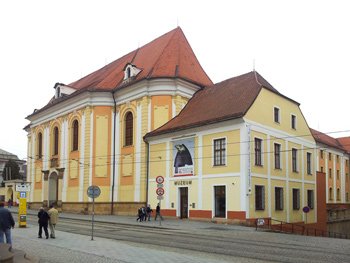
(91, 131)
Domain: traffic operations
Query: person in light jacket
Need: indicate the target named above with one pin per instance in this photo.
(53, 213)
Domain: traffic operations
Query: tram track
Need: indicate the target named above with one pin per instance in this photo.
(208, 241)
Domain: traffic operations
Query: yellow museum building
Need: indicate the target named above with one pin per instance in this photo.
(234, 150)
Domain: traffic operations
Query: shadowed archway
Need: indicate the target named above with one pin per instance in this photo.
(53, 188)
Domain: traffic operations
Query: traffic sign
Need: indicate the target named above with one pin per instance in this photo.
(22, 187)
(93, 191)
(306, 209)
(160, 179)
(160, 191)
(160, 185)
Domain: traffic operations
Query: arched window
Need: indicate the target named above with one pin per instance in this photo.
(330, 194)
(40, 145)
(75, 135)
(129, 127)
(55, 145)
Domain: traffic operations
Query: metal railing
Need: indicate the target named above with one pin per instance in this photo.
(293, 228)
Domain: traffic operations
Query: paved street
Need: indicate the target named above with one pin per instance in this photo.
(122, 239)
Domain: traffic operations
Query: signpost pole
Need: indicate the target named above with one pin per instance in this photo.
(93, 217)
(160, 218)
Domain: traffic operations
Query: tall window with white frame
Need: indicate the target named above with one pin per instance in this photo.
(277, 156)
(259, 197)
(276, 114)
(75, 144)
(55, 146)
(310, 199)
(129, 129)
(258, 152)
(296, 199)
(219, 152)
(40, 145)
(279, 198)
(308, 163)
(295, 160)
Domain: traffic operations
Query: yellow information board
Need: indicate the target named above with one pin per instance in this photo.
(22, 210)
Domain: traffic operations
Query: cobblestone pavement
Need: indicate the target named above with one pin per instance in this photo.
(68, 247)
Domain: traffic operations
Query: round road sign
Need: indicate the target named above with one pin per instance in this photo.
(306, 209)
(160, 179)
(160, 191)
(93, 191)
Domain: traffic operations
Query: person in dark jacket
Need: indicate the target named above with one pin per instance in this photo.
(6, 222)
(158, 213)
(43, 222)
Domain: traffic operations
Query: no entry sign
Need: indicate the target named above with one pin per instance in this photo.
(160, 191)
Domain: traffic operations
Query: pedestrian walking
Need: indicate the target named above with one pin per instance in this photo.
(148, 212)
(158, 213)
(143, 209)
(139, 214)
(43, 222)
(6, 223)
(53, 214)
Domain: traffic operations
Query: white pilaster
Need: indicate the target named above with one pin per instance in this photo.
(137, 193)
(117, 157)
(149, 115)
(268, 142)
(302, 180)
(200, 171)
(287, 181)
(167, 176)
(82, 158)
(65, 145)
(91, 147)
(245, 177)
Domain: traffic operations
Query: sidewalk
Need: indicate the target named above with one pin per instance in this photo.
(168, 223)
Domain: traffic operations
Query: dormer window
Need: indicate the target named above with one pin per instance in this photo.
(130, 71)
(62, 90)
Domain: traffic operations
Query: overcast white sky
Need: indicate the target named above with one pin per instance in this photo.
(301, 47)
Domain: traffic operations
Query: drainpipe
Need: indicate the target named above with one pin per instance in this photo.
(113, 169)
(147, 170)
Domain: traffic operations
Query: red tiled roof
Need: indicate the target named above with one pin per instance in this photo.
(170, 55)
(345, 143)
(326, 139)
(228, 99)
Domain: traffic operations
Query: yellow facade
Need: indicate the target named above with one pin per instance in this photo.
(236, 180)
(92, 163)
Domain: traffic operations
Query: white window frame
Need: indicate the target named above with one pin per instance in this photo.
(213, 150)
(307, 172)
(291, 122)
(274, 156)
(262, 152)
(279, 114)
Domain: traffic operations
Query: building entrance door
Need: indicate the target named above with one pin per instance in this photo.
(183, 202)
(220, 201)
(53, 189)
